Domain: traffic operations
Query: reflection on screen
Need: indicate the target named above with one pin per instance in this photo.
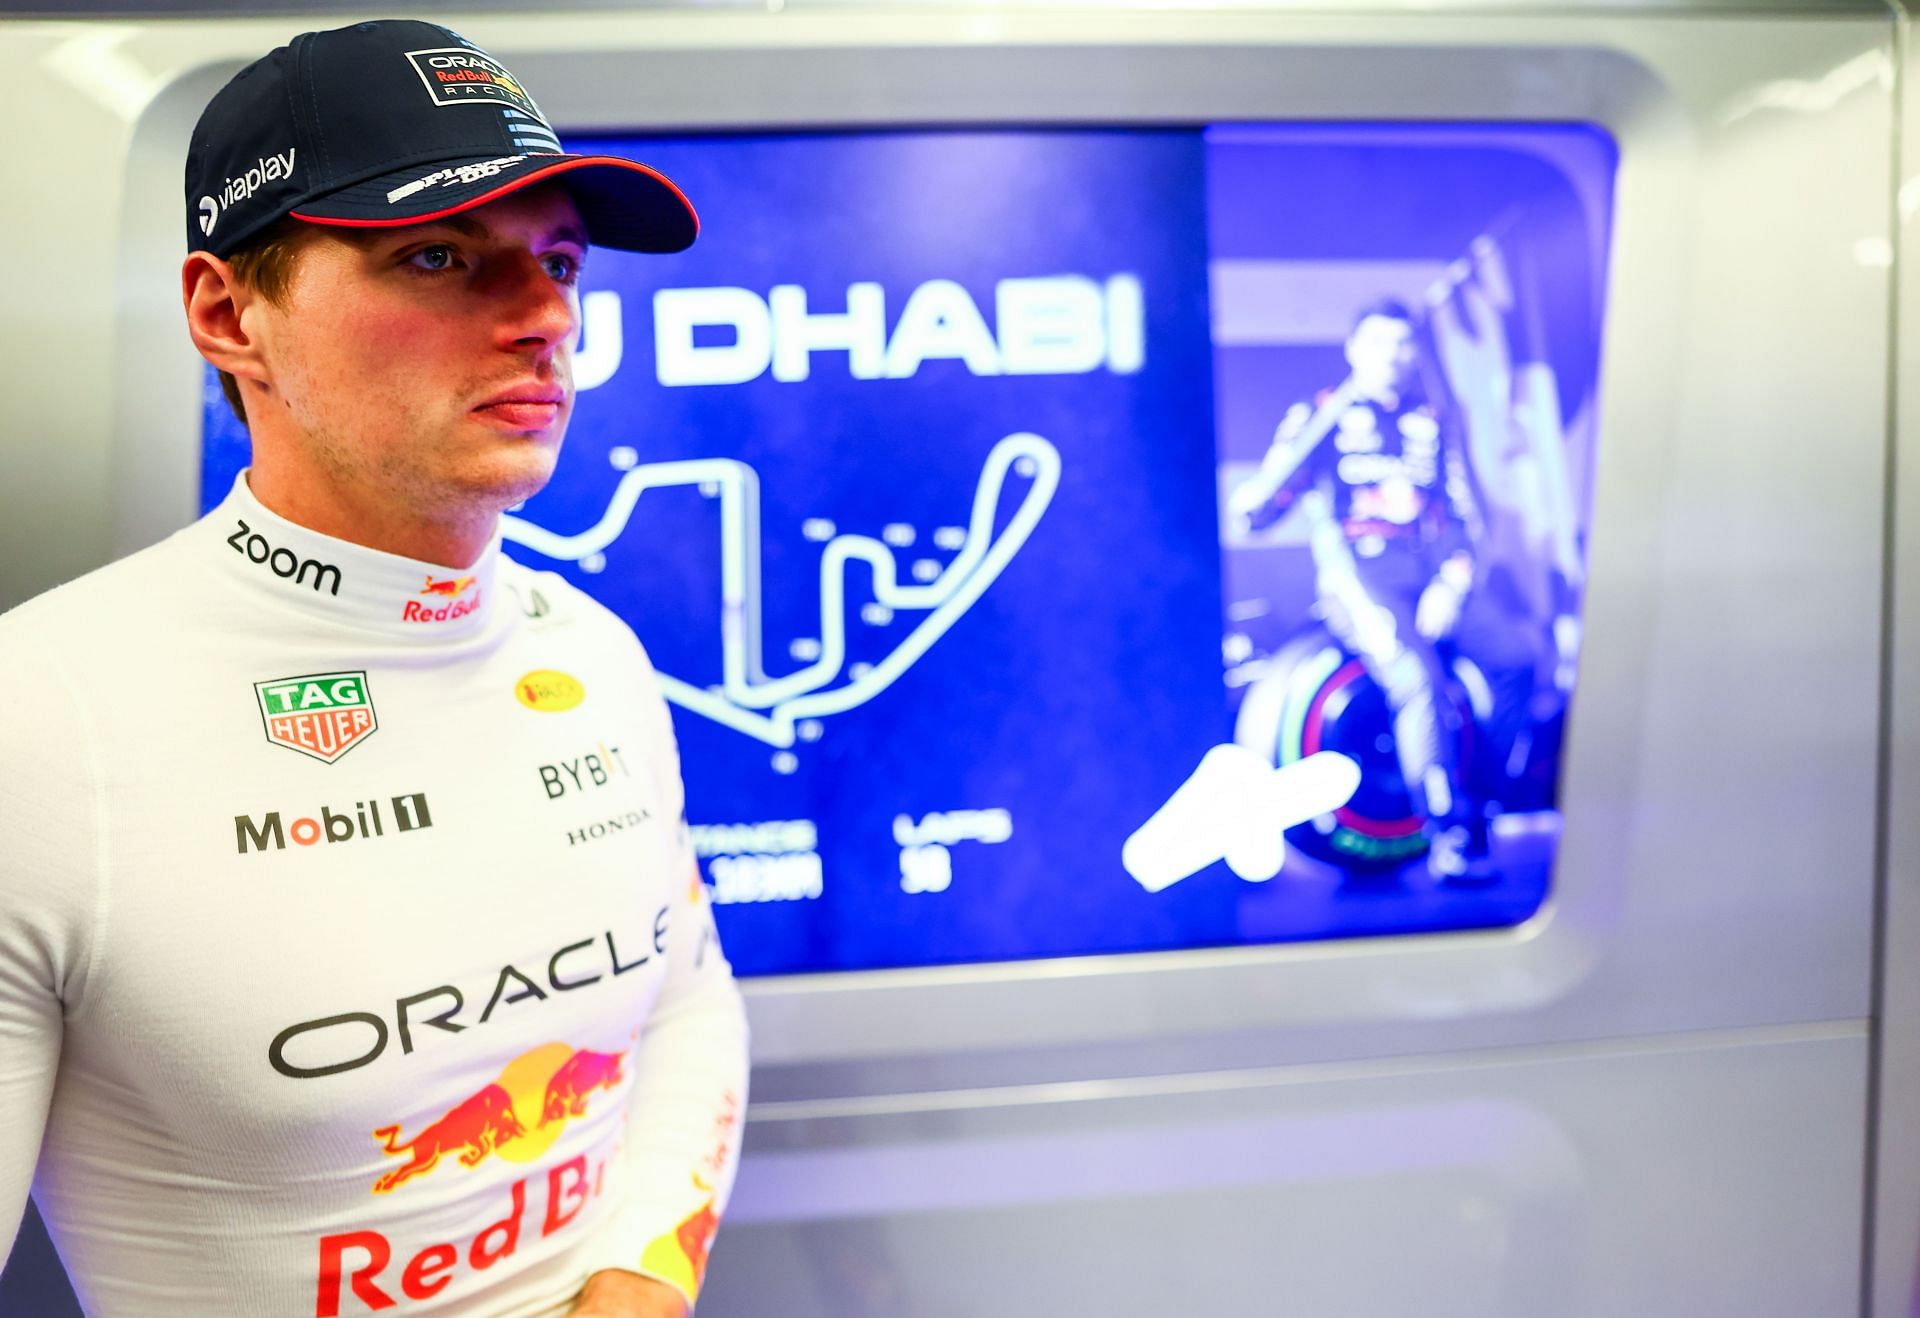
(1074, 542)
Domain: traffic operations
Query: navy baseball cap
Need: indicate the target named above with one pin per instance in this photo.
(398, 122)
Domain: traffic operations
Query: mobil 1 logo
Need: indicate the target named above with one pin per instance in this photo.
(362, 820)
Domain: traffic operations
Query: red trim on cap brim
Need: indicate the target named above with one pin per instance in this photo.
(513, 185)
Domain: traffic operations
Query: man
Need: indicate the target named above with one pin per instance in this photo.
(353, 957)
(1389, 510)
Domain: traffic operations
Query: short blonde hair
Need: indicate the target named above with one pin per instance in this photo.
(266, 265)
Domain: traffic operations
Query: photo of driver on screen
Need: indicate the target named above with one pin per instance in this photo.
(1391, 523)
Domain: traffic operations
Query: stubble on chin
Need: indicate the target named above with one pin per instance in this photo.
(442, 482)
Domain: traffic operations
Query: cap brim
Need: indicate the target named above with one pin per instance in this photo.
(625, 204)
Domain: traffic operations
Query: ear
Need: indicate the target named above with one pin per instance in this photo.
(216, 304)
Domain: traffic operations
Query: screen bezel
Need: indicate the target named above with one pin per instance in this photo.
(679, 73)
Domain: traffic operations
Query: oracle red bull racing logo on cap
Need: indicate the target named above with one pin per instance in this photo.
(518, 1116)
(458, 75)
(324, 715)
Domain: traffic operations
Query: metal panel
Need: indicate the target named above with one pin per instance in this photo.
(1894, 1283)
(1697, 1176)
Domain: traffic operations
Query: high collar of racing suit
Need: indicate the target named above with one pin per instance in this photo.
(336, 580)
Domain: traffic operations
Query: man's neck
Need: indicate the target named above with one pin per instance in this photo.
(332, 509)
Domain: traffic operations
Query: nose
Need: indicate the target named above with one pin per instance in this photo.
(536, 311)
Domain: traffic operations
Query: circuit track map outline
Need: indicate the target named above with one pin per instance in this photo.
(746, 690)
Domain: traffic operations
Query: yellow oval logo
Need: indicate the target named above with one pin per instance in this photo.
(549, 692)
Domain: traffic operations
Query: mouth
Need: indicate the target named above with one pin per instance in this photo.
(523, 408)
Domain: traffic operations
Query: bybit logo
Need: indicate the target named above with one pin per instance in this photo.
(590, 770)
(362, 821)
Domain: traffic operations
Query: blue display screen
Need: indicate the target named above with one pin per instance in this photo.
(1090, 541)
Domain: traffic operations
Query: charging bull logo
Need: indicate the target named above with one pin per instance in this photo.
(451, 588)
(554, 1080)
(695, 1237)
(577, 1078)
(476, 1128)
(680, 1257)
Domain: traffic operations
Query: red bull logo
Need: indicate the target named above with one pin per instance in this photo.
(579, 1076)
(680, 1257)
(366, 1271)
(553, 1080)
(473, 1130)
(453, 590)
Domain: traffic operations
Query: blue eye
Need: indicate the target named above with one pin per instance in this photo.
(561, 267)
(439, 256)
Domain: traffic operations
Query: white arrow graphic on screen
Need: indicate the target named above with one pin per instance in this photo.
(1235, 808)
(768, 708)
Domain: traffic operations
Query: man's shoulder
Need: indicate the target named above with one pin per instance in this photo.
(108, 604)
(63, 649)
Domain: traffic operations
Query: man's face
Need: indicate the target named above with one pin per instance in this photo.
(1382, 355)
(432, 364)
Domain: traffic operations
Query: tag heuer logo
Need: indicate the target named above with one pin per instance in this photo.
(324, 715)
